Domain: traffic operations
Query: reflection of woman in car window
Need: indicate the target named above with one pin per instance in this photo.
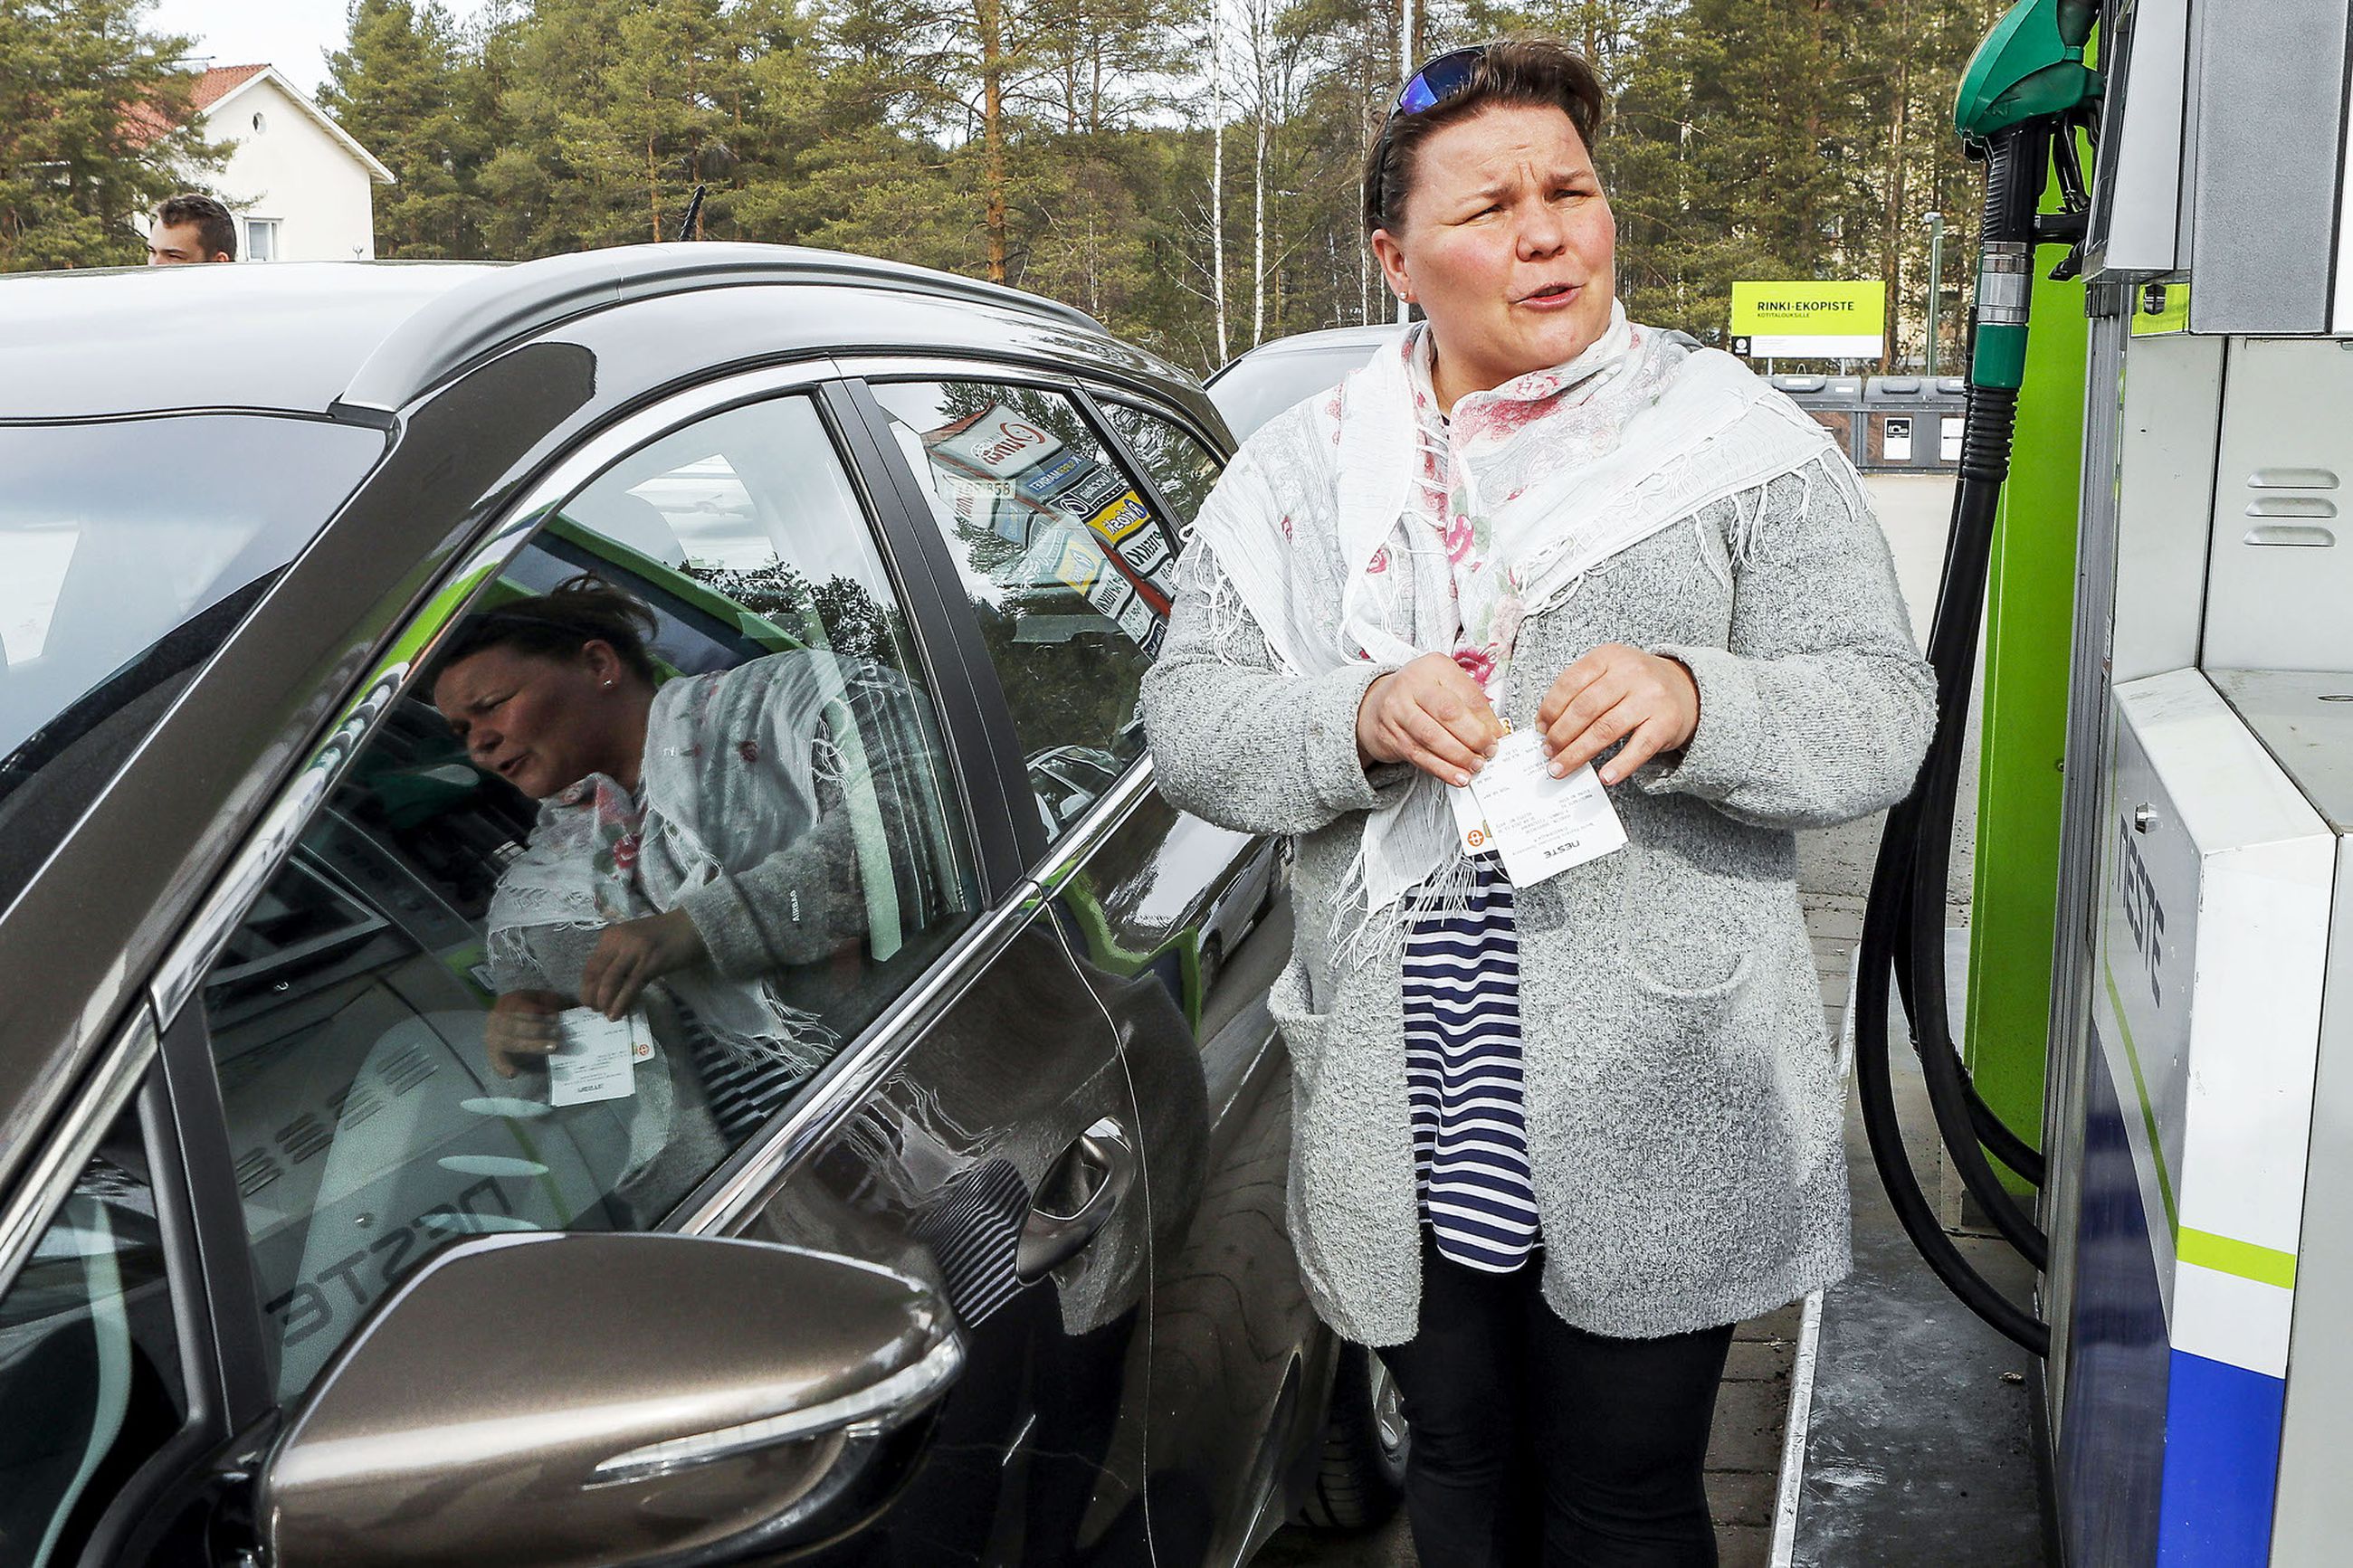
(701, 832)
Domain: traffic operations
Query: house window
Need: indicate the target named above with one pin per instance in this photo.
(261, 240)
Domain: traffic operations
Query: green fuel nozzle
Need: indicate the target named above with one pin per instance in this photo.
(2030, 68)
(2026, 93)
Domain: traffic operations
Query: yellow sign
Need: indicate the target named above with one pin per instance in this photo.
(1808, 309)
(2159, 309)
(1121, 518)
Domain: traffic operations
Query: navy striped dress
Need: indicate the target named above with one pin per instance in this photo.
(1462, 1073)
(1462, 1059)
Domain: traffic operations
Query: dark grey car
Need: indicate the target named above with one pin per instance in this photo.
(993, 1270)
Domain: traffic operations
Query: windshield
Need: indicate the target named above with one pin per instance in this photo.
(118, 534)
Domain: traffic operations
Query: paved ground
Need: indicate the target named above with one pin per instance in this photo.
(1834, 873)
(1920, 1447)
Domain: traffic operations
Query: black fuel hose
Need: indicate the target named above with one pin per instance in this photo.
(1952, 650)
(1991, 1131)
(1903, 935)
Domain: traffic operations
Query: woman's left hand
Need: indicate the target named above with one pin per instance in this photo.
(1616, 693)
(632, 954)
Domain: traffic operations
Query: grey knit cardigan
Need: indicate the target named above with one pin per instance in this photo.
(1684, 1106)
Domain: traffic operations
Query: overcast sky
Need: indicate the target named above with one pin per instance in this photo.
(292, 35)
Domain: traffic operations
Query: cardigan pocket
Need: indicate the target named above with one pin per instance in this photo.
(1303, 1030)
(1693, 933)
(1305, 1034)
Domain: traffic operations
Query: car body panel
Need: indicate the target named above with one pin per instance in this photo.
(1140, 891)
(1040, 1452)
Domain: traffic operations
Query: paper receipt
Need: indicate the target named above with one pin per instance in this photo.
(1540, 825)
(599, 1058)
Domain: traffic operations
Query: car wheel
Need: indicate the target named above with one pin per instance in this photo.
(1361, 1479)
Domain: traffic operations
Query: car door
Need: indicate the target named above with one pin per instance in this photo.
(1065, 547)
(932, 1087)
(112, 1420)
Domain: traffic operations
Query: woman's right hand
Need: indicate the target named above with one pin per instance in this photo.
(521, 1031)
(1430, 713)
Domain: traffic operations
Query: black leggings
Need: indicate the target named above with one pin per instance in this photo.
(1534, 1442)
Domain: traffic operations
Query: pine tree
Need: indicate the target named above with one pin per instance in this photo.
(1032, 140)
(405, 85)
(676, 90)
(95, 129)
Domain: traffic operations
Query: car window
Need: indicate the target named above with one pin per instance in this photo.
(1185, 469)
(132, 548)
(89, 1360)
(1065, 564)
(786, 860)
(116, 534)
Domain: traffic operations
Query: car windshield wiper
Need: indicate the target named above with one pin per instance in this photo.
(175, 652)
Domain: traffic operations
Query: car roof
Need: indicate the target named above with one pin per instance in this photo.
(134, 340)
(1330, 340)
(308, 336)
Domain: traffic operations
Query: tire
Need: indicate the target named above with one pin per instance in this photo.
(1361, 1478)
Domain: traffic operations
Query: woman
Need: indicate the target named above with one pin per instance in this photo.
(703, 832)
(1549, 1141)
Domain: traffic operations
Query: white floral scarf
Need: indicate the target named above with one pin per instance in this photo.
(1556, 472)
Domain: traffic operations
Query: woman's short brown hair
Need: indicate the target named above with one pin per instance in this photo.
(560, 622)
(1517, 71)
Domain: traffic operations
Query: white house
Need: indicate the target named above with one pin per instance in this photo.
(302, 189)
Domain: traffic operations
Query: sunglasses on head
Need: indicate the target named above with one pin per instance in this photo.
(1442, 79)
(1439, 79)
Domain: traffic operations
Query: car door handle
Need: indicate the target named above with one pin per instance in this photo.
(1105, 1160)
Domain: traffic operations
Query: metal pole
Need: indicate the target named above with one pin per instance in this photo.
(1936, 222)
(1405, 75)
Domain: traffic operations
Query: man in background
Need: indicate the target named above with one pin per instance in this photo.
(191, 227)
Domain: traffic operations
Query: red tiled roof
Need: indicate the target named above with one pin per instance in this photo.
(219, 82)
(145, 123)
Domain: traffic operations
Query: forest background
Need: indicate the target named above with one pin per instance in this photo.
(1187, 171)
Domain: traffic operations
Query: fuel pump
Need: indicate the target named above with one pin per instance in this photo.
(2193, 1233)
(2026, 96)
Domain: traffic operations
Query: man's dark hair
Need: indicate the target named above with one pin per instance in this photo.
(1517, 71)
(557, 624)
(214, 228)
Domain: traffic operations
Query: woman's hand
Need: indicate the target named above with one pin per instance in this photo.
(635, 953)
(522, 1031)
(1616, 693)
(1431, 714)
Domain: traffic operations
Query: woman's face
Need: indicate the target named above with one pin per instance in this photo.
(1507, 245)
(540, 723)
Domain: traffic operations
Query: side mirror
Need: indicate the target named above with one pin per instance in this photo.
(554, 1400)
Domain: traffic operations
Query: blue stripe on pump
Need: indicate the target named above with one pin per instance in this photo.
(2221, 1464)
